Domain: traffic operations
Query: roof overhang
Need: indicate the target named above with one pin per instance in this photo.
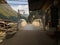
(39, 4)
(35, 4)
(3, 2)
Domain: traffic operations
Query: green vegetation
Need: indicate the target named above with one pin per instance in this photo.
(36, 14)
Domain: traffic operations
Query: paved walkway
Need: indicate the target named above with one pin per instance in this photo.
(31, 27)
(29, 37)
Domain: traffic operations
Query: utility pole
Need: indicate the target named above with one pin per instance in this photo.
(18, 19)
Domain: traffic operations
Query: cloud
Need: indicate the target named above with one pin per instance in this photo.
(21, 7)
(19, 4)
(18, 0)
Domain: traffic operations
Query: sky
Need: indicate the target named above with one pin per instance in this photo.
(19, 5)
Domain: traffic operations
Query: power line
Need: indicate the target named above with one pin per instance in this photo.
(18, 4)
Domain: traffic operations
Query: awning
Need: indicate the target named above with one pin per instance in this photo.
(39, 4)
